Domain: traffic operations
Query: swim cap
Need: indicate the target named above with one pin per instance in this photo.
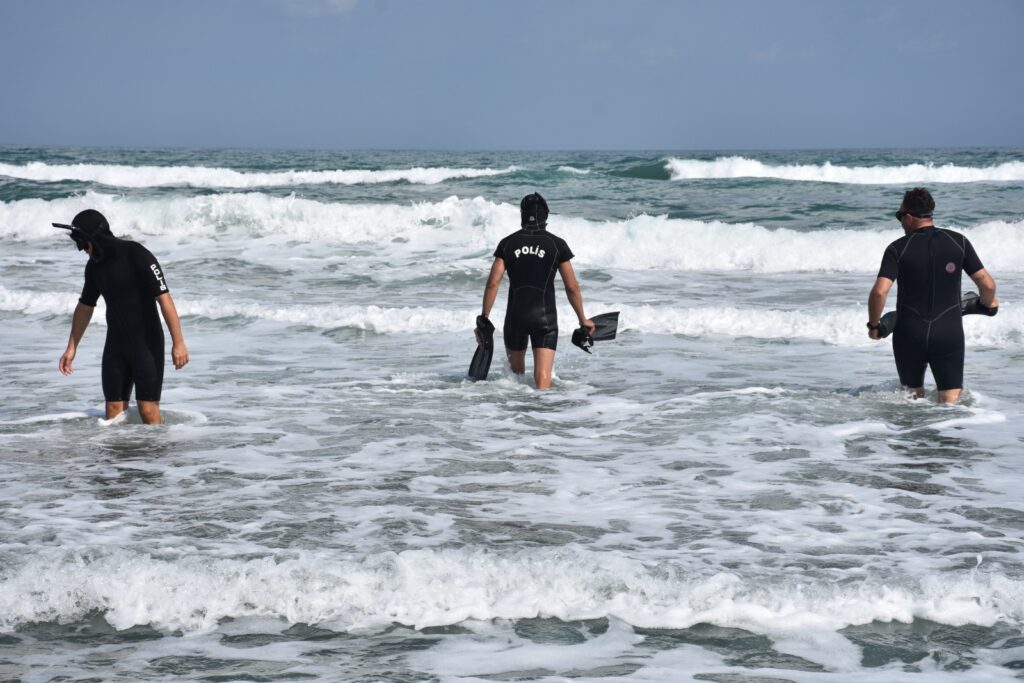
(533, 211)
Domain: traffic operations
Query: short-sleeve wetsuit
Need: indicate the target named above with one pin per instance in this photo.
(928, 263)
(129, 278)
(532, 257)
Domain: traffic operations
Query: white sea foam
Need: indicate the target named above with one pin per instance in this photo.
(841, 326)
(574, 170)
(201, 176)
(742, 167)
(461, 228)
(424, 588)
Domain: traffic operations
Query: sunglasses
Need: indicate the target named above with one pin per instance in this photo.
(901, 213)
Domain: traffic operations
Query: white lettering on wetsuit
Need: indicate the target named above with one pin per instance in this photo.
(536, 251)
(159, 277)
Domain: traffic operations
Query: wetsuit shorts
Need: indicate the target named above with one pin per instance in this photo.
(141, 366)
(938, 343)
(528, 319)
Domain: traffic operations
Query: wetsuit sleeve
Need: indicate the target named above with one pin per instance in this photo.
(564, 252)
(890, 267)
(150, 274)
(972, 264)
(500, 251)
(90, 292)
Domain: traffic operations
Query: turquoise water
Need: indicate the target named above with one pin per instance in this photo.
(733, 490)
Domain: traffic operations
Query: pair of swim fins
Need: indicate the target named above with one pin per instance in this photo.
(606, 326)
(970, 304)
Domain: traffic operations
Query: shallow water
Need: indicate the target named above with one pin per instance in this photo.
(733, 490)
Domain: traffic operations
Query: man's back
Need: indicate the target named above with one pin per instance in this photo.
(532, 257)
(927, 265)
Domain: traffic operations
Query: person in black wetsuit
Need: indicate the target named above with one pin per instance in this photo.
(531, 257)
(928, 262)
(132, 284)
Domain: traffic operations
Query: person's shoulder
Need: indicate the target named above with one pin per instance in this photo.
(562, 244)
(899, 242)
(136, 249)
(958, 236)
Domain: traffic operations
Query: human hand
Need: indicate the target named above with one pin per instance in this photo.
(179, 355)
(589, 324)
(874, 334)
(65, 361)
(992, 308)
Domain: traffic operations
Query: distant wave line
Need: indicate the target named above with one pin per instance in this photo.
(201, 176)
(742, 167)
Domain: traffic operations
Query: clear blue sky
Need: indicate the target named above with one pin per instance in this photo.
(512, 74)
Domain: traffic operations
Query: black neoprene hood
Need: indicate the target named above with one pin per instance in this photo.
(86, 226)
(533, 211)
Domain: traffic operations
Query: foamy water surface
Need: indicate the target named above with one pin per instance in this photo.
(733, 490)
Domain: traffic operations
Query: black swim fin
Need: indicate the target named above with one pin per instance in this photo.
(481, 363)
(970, 304)
(886, 324)
(606, 326)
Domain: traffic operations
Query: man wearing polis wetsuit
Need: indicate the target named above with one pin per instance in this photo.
(132, 284)
(531, 257)
(928, 263)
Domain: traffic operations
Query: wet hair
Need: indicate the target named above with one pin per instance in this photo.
(918, 202)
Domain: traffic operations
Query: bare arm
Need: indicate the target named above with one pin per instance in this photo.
(876, 302)
(986, 288)
(79, 322)
(179, 352)
(573, 293)
(493, 283)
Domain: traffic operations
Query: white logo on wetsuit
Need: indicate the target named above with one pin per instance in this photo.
(950, 267)
(159, 277)
(536, 251)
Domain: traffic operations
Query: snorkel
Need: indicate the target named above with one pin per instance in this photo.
(88, 227)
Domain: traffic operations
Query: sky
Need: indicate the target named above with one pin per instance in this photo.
(513, 74)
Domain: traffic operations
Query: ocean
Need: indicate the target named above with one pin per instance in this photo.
(734, 490)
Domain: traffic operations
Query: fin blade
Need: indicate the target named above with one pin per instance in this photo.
(606, 326)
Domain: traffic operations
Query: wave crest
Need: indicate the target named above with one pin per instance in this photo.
(742, 167)
(424, 588)
(201, 176)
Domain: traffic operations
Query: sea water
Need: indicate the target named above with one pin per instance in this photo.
(734, 490)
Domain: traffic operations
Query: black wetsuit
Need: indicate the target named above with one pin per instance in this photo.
(927, 263)
(532, 257)
(129, 278)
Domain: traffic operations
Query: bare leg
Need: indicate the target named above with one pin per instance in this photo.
(517, 359)
(543, 363)
(949, 395)
(150, 412)
(115, 408)
(915, 392)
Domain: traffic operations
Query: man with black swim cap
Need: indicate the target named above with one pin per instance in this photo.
(928, 263)
(531, 257)
(132, 284)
